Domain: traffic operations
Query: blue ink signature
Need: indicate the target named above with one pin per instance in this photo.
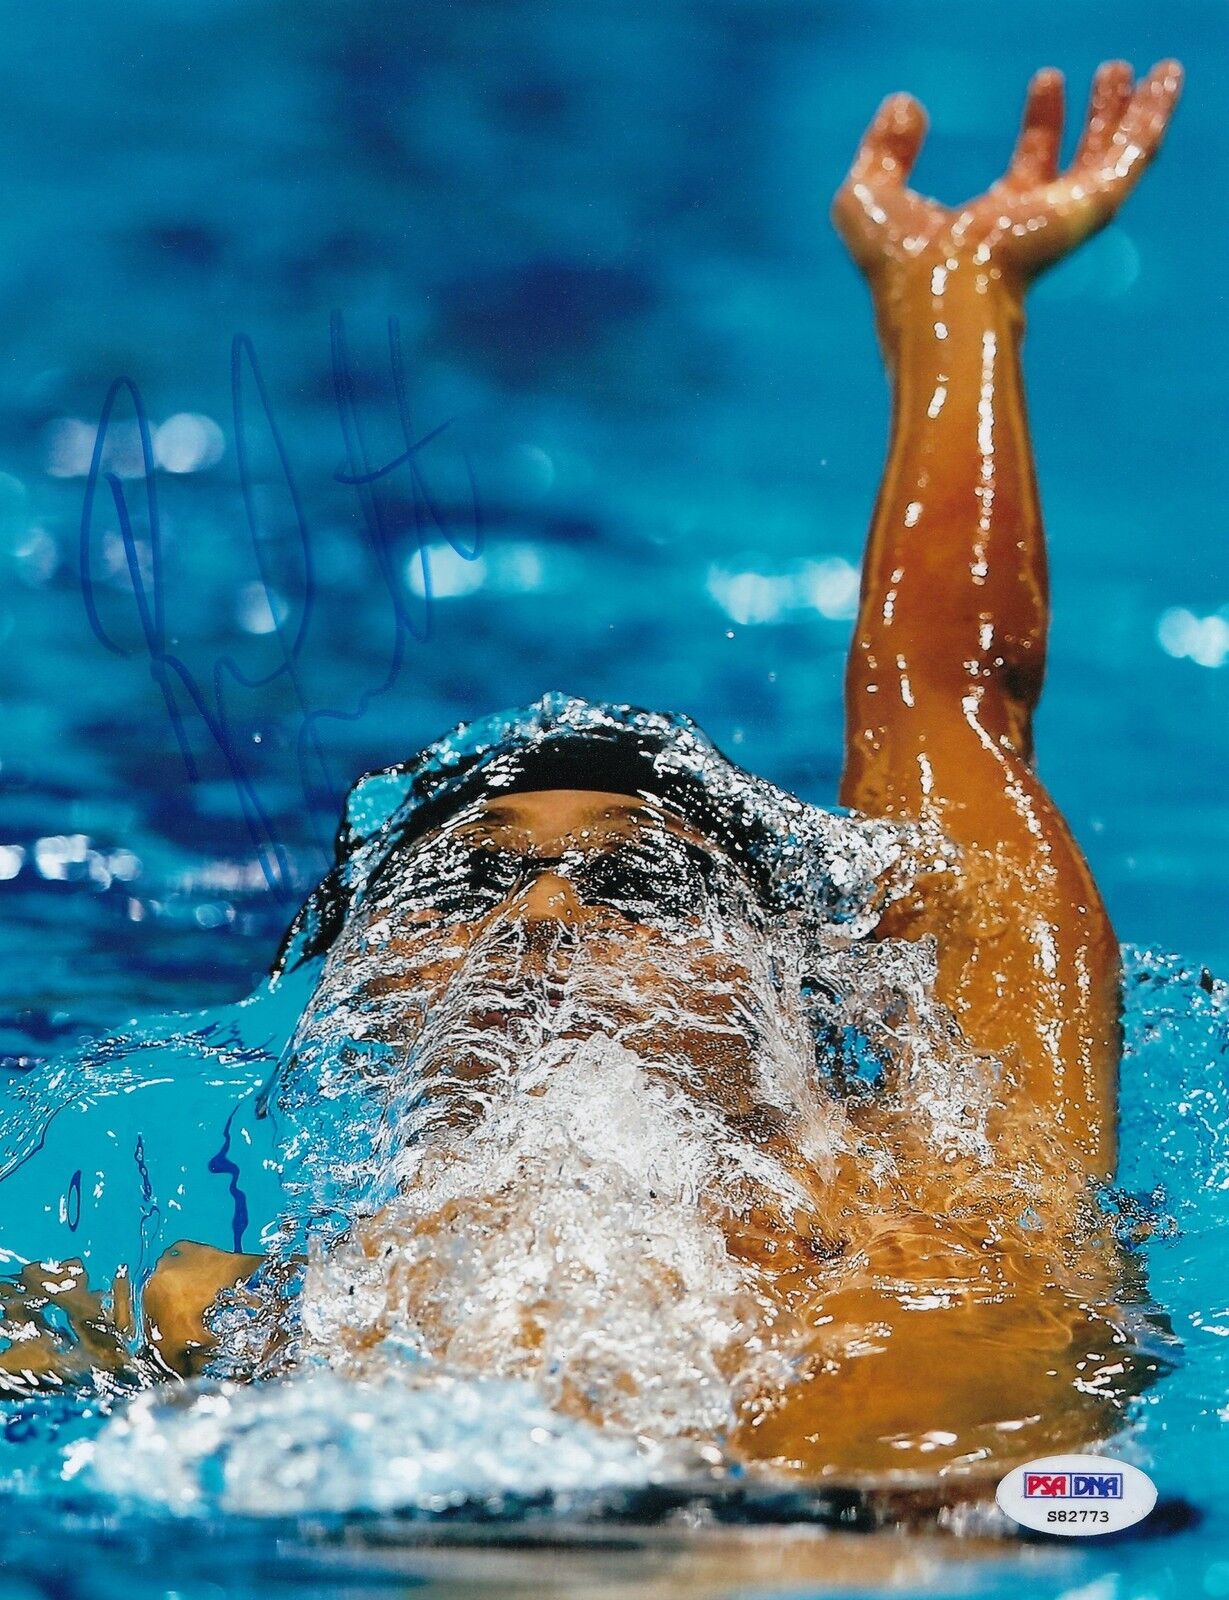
(384, 528)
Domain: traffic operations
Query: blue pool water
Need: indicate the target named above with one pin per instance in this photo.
(602, 233)
(296, 1478)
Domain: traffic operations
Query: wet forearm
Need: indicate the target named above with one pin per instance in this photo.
(955, 579)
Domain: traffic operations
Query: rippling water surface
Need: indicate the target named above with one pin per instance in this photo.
(603, 238)
(390, 1430)
(517, 1276)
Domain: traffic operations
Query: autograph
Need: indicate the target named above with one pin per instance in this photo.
(385, 529)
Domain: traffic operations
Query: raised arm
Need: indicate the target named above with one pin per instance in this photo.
(948, 655)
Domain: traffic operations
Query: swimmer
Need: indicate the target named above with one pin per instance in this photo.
(932, 1322)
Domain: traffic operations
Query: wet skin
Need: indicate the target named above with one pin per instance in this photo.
(944, 674)
(935, 1333)
(948, 654)
(528, 835)
(933, 1337)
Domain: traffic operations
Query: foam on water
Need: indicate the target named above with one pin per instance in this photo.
(408, 1440)
(582, 1161)
(557, 1208)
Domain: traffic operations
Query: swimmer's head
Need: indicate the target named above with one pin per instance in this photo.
(571, 856)
(551, 930)
(560, 912)
(794, 856)
(573, 1025)
(630, 760)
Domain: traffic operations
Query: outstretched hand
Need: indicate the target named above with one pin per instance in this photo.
(1034, 214)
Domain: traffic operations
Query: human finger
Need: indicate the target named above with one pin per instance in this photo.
(1035, 159)
(890, 145)
(1111, 95)
(1139, 134)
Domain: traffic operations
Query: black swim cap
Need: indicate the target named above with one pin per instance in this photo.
(793, 853)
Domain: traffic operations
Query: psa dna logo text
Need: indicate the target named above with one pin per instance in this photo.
(1073, 1485)
(1074, 1496)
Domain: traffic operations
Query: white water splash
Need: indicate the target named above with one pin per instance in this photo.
(405, 1441)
